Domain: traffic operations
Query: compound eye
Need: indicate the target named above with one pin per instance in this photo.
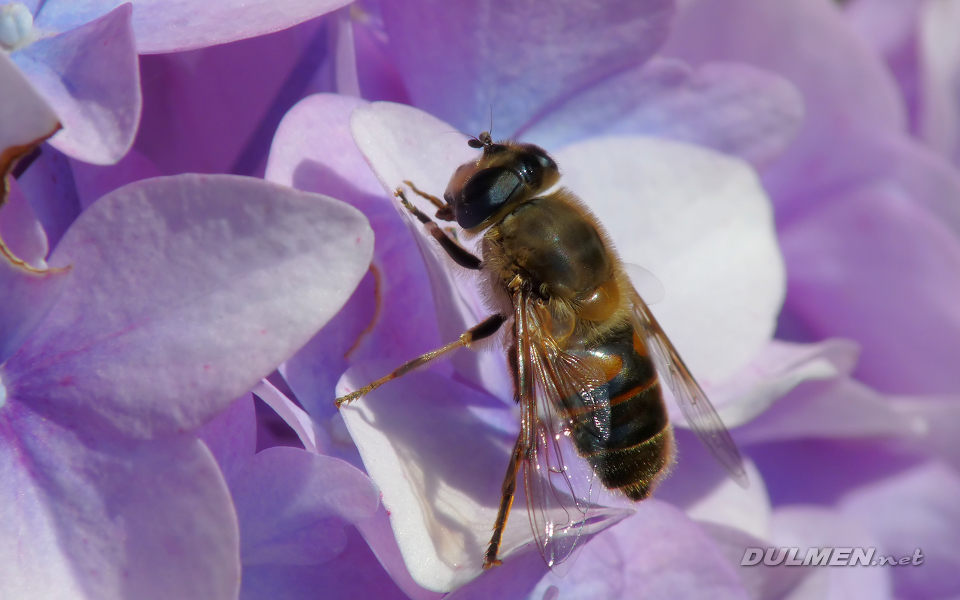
(484, 194)
(547, 163)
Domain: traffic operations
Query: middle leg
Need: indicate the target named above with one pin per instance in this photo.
(508, 491)
(481, 330)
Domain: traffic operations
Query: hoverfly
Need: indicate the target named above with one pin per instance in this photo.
(583, 348)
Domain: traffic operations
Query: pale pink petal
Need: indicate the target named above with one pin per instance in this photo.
(700, 221)
(379, 536)
(91, 76)
(185, 292)
(778, 368)
(837, 408)
(441, 490)
(84, 518)
(26, 118)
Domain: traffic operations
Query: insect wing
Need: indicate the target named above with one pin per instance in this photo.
(645, 283)
(561, 494)
(693, 402)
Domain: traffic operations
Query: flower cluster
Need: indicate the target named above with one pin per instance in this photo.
(200, 250)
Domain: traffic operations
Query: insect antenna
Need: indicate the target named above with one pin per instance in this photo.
(473, 142)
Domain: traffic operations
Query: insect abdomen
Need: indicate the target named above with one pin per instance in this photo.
(640, 442)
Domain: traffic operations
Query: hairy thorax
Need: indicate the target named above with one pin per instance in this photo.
(553, 245)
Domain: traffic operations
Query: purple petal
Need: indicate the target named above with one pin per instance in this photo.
(859, 264)
(185, 292)
(722, 503)
(919, 508)
(313, 438)
(699, 221)
(376, 70)
(91, 76)
(292, 505)
(940, 112)
(25, 117)
(231, 436)
(729, 107)
(777, 369)
(355, 573)
(94, 181)
(762, 582)
(844, 99)
(49, 188)
(820, 471)
(839, 408)
(20, 231)
(379, 536)
(215, 110)
(462, 60)
(391, 315)
(513, 580)
(658, 553)
(26, 295)
(806, 527)
(172, 25)
(941, 414)
(891, 29)
(85, 518)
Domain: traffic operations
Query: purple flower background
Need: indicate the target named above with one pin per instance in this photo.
(201, 251)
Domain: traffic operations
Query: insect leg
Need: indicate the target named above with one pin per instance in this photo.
(457, 252)
(433, 199)
(481, 330)
(506, 501)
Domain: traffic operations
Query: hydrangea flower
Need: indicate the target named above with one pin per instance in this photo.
(868, 224)
(82, 56)
(916, 41)
(845, 449)
(313, 150)
(161, 303)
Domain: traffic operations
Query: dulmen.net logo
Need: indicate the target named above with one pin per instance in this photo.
(826, 557)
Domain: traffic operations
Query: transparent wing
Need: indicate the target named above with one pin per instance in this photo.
(646, 283)
(693, 402)
(561, 491)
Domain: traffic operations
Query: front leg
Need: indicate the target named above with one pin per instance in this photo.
(458, 253)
